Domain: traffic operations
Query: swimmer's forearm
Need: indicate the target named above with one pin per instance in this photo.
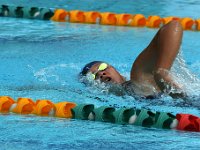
(164, 79)
(167, 84)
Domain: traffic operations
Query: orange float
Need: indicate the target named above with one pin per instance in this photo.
(5, 103)
(123, 19)
(43, 107)
(23, 106)
(108, 18)
(63, 109)
(92, 17)
(197, 22)
(76, 16)
(60, 15)
(187, 23)
(153, 21)
(138, 20)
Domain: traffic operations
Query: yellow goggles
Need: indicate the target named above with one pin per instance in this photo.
(102, 67)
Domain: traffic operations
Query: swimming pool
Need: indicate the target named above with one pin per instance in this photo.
(41, 60)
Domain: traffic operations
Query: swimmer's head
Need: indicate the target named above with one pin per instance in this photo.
(87, 67)
(102, 71)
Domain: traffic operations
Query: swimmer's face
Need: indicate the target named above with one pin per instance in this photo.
(107, 75)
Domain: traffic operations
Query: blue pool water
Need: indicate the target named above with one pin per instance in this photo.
(41, 60)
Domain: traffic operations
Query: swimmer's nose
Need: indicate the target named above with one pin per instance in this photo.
(103, 76)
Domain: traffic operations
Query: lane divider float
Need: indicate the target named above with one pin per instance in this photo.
(123, 116)
(94, 17)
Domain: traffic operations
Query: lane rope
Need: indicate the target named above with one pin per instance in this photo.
(94, 17)
(123, 116)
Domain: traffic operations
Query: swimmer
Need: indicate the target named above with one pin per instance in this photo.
(150, 73)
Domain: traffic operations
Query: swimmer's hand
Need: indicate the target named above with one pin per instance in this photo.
(177, 95)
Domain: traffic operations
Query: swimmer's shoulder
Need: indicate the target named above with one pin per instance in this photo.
(130, 87)
(133, 88)
(127, 83)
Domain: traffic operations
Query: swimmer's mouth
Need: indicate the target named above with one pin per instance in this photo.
(108, 79)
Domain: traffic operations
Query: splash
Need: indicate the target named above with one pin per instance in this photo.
(185, 77)
(55, 74)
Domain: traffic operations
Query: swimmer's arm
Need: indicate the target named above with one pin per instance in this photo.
(167, 85)
(168, 45)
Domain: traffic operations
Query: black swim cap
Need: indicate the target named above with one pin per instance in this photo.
(87, 67)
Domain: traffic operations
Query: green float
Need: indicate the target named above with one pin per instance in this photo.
(123, 115)
(26, 12)
(145, 118)
(30, 12)
(82, 111)
(163, 120)
(104, 114)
